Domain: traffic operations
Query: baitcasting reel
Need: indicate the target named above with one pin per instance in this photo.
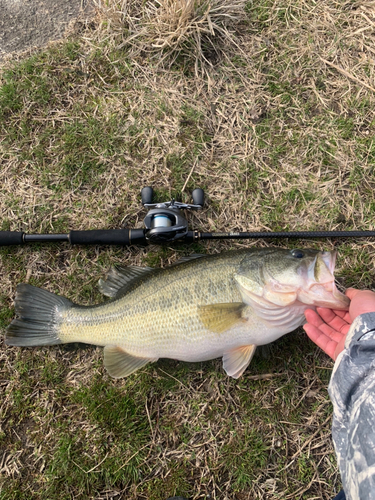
(164, 222)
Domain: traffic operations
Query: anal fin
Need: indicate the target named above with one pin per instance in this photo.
(121, 364)
(237, 360)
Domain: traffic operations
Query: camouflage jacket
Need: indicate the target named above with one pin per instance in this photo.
(352, 391)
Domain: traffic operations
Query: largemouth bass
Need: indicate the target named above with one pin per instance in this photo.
(203, 308)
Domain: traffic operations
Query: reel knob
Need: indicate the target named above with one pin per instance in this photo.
(147, 194)
(198, 196)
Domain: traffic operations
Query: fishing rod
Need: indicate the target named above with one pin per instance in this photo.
(164, 224)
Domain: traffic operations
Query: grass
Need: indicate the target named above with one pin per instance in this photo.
(280, 140)
(182, 34)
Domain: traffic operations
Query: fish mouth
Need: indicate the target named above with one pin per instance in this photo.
(321, 289)
(329, 259)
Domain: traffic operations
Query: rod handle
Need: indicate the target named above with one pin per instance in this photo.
(122, 237)
(11, 238)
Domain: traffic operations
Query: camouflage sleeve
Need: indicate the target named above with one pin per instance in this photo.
(352, 391)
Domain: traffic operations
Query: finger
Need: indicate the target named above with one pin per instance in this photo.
(333, 320)
(325, 343)
(343, 314)
(316, 321)
(311, 316)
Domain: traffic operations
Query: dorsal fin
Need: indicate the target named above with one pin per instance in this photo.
(120, 279)
(193, 256)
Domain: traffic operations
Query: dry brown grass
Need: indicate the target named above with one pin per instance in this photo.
(192, 31)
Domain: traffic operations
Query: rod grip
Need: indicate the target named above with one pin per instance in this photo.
(122, 237)
(11, 238)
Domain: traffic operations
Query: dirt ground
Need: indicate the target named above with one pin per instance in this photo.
(33, 23)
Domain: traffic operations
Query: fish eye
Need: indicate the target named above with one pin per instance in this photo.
(298, 254)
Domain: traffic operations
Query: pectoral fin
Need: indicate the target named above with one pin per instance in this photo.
(121, 364)
(237, 360)
(220, 317)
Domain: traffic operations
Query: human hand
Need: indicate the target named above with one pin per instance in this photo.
(328, 328)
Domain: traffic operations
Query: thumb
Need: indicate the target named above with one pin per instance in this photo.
(352, 292)
(361, 301)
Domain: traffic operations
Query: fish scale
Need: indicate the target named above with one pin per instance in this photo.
(210, 306)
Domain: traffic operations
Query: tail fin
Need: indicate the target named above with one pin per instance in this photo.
(39, 315)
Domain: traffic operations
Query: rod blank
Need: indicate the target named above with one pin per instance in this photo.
(286, 234)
